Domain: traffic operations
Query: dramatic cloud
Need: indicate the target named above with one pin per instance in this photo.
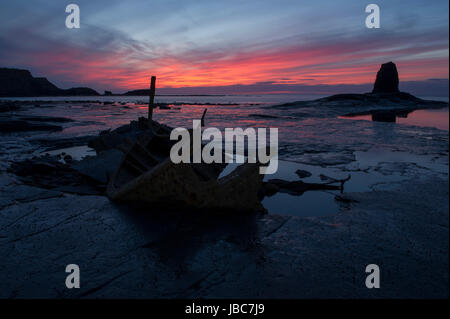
(287, 45)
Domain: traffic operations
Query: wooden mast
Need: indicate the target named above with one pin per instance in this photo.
(151, 100)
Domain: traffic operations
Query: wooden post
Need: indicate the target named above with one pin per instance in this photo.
(151, 100)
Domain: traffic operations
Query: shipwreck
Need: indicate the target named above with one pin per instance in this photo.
(147, 175)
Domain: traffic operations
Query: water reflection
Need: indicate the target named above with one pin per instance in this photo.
(437, 118)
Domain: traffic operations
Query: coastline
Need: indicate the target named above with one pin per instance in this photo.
(179, 254)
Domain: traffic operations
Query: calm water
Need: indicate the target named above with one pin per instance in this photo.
(243, 99)
(438, 118)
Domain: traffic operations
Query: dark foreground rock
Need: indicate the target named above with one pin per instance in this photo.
(23, 123)
(125, 253)
(6, 106)
(49, 173)
(302, 173)
(46, 119)
(57, 143)
(9, 126)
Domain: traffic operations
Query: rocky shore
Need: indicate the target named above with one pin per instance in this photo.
(124, 253)
(389, 184)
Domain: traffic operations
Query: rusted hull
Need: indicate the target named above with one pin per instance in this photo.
(180, 185)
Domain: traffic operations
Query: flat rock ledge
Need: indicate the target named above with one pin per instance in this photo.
(148, 254)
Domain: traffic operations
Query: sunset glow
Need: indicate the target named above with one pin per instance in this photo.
(210, 47)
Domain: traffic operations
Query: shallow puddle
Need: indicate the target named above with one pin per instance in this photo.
(77, 152)
(375, 169)
(319, 203)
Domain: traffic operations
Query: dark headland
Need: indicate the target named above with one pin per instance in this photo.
(20, 83)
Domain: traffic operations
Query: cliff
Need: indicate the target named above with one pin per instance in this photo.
(19, 83)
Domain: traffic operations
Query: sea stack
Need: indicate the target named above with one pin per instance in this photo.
(387, 79)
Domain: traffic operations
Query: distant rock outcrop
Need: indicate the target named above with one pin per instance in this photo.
(142, 92)
(387, 79)
(385, 93)
(18, 83)
(81, 91)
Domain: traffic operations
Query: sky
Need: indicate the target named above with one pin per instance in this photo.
(227, 46)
